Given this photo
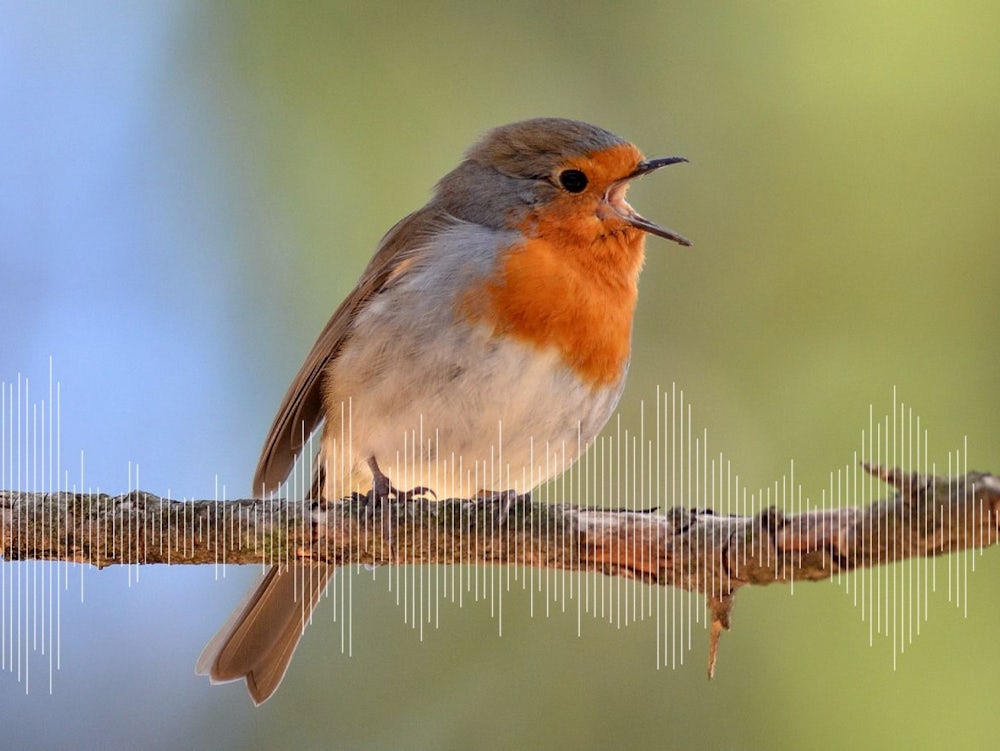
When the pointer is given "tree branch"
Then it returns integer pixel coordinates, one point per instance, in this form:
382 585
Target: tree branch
688 548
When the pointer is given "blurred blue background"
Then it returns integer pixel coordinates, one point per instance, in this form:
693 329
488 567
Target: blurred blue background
188 189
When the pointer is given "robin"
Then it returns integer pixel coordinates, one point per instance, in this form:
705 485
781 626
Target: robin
484 347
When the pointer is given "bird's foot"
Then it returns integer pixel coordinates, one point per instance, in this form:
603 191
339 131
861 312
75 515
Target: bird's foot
376 501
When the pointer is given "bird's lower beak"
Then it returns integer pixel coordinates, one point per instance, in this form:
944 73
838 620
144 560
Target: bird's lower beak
615 197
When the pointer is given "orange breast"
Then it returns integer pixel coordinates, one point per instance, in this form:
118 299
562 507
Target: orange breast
565 289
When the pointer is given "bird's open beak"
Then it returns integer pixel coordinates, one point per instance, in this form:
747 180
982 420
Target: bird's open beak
616 199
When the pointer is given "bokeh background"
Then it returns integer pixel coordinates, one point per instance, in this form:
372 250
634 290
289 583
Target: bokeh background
188 189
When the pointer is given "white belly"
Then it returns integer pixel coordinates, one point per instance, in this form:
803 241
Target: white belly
512 419
440 402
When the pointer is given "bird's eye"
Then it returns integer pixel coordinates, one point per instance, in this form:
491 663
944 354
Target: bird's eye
573 180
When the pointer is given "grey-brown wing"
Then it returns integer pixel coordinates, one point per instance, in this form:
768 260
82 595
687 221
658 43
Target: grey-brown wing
301 410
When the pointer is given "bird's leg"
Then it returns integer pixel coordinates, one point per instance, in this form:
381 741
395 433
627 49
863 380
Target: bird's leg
380 493
317 492
377 499
382 488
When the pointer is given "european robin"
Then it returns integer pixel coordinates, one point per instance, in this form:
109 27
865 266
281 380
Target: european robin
484 347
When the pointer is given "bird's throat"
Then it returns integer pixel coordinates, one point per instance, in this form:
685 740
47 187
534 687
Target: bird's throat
577 298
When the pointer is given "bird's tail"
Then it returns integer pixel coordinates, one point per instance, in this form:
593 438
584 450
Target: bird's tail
258 640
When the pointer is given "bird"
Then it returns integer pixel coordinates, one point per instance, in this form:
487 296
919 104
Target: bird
484 347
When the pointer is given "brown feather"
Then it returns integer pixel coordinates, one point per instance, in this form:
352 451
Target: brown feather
302 408
259 638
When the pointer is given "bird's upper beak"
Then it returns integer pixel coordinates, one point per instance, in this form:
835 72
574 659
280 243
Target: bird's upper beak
615 197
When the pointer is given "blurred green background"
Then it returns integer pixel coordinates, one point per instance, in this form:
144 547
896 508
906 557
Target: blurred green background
190 188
